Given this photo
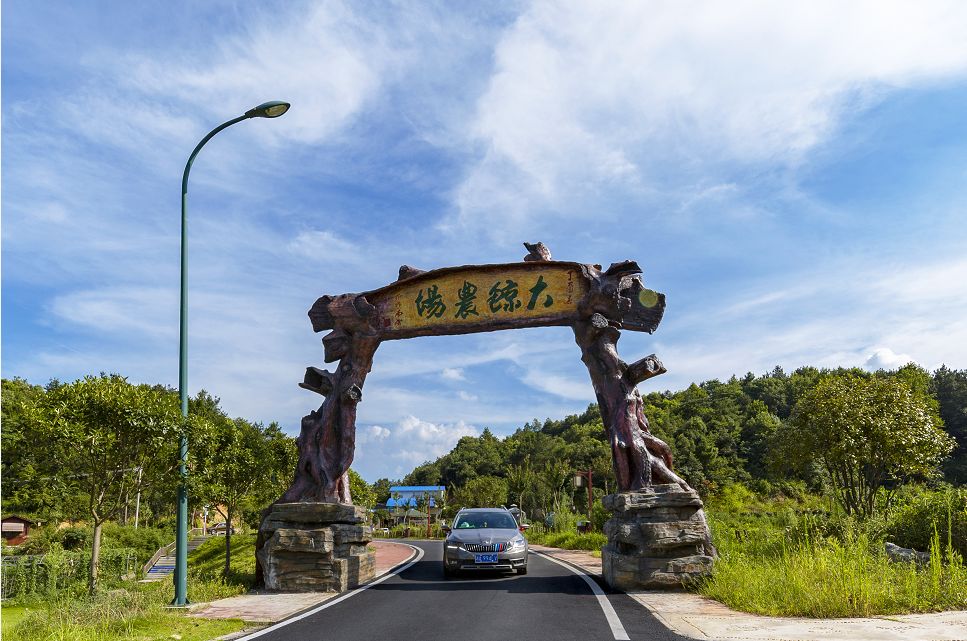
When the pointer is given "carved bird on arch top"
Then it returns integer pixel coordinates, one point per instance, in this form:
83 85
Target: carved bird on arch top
538 252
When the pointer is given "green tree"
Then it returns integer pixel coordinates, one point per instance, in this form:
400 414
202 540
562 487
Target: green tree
555 476
473 457
759 429
229 457
482 491
862 432
426 474
30 486
402 508
950 386
361 491
277 471
520 483
102 429
381 490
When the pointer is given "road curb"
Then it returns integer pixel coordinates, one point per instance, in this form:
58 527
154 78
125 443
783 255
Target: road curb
376 577
255 626
339 597
404 562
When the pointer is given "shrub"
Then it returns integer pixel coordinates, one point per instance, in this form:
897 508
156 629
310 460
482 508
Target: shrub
599 516
911 524
145 541
39 542
562 521
75 538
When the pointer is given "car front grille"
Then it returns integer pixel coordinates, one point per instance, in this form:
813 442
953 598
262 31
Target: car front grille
485 547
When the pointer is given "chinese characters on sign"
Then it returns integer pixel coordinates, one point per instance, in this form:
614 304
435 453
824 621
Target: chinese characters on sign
466 304
432 306
480 296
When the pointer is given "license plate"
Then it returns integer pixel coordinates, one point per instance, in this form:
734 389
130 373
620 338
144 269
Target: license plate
485 558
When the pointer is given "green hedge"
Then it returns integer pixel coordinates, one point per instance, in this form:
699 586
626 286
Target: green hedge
144 541
59 571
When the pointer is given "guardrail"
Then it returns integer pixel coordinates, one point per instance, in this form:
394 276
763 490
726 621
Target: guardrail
168 549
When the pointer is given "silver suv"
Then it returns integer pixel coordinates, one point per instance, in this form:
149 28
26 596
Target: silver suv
484 538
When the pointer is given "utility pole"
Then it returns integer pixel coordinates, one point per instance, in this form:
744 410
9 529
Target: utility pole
137 502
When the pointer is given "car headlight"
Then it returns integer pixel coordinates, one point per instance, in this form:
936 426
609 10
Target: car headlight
453 545
516 544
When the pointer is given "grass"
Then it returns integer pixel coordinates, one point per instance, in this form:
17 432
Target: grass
10 616
795 556
134 614
137 611
784 565
593 541
208 561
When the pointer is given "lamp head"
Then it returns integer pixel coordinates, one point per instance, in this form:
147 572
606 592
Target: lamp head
272 109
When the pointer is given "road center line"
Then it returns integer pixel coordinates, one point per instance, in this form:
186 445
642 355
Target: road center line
331 602
617 629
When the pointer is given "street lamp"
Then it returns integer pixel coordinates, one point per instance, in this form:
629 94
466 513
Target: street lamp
579 477
272 109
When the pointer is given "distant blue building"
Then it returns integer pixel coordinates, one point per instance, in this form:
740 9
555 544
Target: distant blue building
411 495
405 501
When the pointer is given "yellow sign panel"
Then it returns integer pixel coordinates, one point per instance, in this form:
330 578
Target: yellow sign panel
483 297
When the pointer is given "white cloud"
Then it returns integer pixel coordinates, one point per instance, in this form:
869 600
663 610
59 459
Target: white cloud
377 433
563 386
326 61
324 246
918 309
593 97
120 309
886 358
467 396
452 374
394 451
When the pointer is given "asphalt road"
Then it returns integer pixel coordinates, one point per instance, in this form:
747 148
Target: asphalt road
549 602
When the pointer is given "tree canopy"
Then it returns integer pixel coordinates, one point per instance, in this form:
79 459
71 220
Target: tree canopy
720 433
864 432
100 436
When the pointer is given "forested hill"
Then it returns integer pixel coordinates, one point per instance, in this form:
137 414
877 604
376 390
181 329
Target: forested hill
720 432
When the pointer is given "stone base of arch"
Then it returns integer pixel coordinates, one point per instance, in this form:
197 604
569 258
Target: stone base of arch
314 547
657 539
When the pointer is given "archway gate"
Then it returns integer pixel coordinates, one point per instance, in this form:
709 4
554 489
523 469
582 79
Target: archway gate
595 303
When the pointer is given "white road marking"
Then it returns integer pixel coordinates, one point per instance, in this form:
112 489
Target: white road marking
617 629
271 628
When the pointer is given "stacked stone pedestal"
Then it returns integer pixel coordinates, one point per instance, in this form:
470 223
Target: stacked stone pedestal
657 539
314 547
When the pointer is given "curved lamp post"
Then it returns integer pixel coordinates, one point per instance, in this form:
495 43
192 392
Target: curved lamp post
272 109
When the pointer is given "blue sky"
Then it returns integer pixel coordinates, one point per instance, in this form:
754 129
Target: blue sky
792 177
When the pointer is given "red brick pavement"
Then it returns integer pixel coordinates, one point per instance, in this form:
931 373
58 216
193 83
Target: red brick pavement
389 555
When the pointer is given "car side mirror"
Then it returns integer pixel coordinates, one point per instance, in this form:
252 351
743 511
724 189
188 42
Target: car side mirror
524 527
446 529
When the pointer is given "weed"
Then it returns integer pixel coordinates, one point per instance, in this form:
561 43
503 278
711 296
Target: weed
817 566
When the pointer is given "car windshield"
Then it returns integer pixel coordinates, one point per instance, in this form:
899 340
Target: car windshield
478 520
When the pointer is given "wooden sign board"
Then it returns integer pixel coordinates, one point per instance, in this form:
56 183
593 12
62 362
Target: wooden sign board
486 298
478 298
